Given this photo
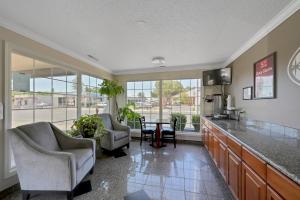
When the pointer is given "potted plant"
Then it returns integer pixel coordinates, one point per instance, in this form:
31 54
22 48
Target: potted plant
181 121
196 122
88 126
127 113
111 89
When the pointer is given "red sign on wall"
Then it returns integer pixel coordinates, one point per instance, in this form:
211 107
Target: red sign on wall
264 67
264 77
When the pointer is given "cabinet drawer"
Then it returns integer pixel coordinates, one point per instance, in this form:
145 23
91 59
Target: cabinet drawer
282 185
257 164
222 136
234 146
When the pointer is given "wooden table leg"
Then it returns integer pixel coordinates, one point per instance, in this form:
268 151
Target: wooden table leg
158 143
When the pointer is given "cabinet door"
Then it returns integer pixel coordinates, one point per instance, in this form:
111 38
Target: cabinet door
216 151
211 144
205 136
206 139
253 187
234 174
272 195
223 158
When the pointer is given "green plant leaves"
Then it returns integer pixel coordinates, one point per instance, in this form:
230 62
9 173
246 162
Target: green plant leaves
88 126
110 88
181 121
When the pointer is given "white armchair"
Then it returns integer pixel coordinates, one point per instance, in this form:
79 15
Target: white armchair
48 160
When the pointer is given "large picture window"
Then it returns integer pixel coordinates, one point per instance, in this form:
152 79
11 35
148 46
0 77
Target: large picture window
41 91
144 95
176 96
181 96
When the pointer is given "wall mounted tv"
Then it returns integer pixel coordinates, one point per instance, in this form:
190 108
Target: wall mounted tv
217 77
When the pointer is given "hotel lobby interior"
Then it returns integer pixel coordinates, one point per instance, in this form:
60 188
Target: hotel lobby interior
150 100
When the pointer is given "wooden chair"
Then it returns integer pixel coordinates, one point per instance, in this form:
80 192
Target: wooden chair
169 133
145 131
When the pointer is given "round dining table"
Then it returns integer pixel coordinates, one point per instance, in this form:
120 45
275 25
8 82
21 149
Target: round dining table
159 123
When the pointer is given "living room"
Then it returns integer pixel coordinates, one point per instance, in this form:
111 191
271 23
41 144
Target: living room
149 99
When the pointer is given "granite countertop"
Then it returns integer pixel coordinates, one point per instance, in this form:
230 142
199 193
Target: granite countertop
278 145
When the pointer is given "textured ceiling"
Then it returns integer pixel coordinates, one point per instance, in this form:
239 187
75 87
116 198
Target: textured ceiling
124 35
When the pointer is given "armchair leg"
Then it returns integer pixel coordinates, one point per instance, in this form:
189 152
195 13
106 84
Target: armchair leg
25 195
91 171
70 195
141 139
128 145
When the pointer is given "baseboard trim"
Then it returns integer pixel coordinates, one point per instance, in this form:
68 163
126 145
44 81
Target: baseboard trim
10 190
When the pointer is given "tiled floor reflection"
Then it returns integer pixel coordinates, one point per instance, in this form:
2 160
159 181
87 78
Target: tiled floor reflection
182 173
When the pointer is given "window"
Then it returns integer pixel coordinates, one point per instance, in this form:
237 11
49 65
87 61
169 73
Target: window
145 96
181 96
177 96
41 91
92 101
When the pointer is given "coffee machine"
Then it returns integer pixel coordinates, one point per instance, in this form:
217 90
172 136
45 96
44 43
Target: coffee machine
218 106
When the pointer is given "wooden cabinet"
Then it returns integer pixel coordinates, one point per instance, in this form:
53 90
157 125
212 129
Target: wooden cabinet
216 151
223 160
248 176
211 144
253 187
234 174
272 195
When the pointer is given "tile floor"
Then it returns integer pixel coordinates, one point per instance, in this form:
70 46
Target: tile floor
182 173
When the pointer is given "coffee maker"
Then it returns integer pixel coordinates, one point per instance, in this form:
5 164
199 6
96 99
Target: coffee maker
218 106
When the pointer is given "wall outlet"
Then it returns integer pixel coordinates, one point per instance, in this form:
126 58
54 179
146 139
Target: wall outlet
1 111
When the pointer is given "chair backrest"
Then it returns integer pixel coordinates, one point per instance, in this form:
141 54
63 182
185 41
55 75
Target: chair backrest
106 118
142 122
42 134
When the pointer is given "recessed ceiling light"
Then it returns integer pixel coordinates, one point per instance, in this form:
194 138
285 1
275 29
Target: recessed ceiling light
158 60
141 22
92 57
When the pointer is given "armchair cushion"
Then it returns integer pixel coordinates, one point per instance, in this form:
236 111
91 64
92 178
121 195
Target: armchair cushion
106 121
42 134
81 156
118 135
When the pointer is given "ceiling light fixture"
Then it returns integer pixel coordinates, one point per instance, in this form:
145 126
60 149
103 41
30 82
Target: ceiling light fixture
92 57
158 60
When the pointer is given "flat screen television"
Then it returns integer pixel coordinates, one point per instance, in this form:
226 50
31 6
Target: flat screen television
217 77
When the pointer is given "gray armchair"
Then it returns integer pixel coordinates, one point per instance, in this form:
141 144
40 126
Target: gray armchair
117 135
48 160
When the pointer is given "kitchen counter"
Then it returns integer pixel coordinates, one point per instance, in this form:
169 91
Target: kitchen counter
278 145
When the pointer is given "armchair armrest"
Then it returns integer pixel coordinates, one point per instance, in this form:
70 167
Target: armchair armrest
40 169
107 141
